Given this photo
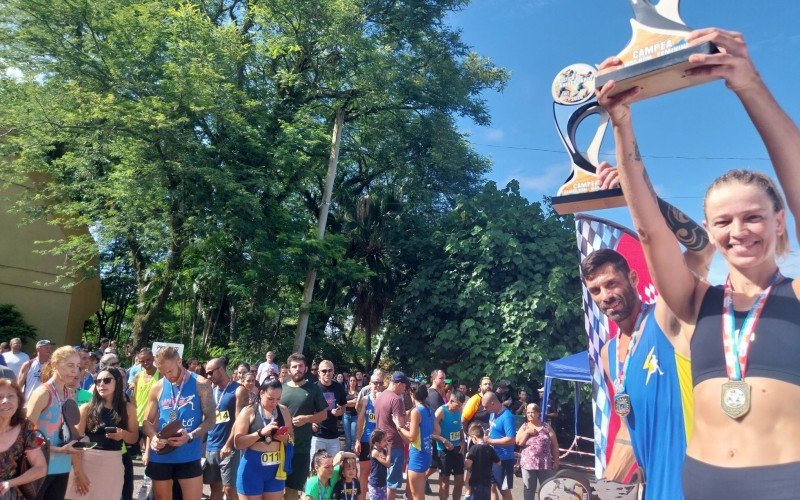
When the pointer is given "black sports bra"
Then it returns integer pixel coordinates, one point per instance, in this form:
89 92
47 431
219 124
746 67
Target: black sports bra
775 353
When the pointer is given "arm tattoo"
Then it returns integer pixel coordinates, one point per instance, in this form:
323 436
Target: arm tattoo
688 232
636 154
209 411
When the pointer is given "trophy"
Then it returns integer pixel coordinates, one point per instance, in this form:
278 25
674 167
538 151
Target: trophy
573 96
657 57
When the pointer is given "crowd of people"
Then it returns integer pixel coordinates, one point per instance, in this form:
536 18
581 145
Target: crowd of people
255 431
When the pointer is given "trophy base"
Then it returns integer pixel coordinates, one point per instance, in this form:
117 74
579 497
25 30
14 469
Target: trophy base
659 75
583 202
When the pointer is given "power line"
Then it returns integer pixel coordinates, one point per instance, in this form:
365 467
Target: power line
661 157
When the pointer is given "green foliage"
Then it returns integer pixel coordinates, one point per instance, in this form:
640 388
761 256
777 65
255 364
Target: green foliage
498 294
13 325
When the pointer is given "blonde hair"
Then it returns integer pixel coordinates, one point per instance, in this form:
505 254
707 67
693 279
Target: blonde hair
58 356
761 181
166 353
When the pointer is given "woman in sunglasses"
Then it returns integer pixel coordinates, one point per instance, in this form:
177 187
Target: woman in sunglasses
108 420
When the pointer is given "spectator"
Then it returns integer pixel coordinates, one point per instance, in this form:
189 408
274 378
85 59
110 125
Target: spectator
101 349
107 411
360 379
30 375
519 406
539 451
326 433
551 411
307 406
348 486
420 435
313 375
327 470
481 459
45 409
365 426
502 436
4 348
256 433
390 414
380 463
241 370
503 393
15 358
284 375
268 370
20 441
251 386
350 417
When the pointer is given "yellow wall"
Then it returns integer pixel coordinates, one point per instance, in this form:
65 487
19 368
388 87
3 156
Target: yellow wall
57 313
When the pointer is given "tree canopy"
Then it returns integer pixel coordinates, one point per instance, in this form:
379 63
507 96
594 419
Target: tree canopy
192 138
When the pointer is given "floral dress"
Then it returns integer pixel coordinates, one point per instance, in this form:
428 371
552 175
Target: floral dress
538 452
11 457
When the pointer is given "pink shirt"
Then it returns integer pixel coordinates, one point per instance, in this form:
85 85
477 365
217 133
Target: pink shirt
537 453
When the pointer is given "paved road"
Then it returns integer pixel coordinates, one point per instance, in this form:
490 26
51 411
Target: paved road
138 470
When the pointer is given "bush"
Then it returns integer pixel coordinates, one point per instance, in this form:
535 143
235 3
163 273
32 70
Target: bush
12 324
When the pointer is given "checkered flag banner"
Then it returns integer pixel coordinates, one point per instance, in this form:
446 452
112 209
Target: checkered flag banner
594 233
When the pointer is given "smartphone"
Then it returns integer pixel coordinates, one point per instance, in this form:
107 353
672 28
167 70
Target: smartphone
111 430
85 445
282 430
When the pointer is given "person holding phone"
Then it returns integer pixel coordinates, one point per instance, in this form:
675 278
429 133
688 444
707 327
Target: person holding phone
107 420
326 433
263 431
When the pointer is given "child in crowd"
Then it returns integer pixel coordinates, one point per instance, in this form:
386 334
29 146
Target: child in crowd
327 470
379 465
348 487
478 465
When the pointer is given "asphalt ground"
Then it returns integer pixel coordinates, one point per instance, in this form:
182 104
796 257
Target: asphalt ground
138 473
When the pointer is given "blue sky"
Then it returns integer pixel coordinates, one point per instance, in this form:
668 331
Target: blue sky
534 39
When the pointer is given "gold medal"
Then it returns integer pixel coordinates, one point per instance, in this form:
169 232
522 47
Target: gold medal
735 398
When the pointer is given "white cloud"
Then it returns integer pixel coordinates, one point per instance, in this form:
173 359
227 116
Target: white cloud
542 180
494 134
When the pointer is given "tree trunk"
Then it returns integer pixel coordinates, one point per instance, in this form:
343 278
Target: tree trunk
322 221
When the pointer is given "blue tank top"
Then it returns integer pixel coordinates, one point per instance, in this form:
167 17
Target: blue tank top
186 402
369 421
225 406
420 451
450 428
659 385
50 422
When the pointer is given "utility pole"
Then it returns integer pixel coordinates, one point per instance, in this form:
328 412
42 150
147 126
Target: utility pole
322 221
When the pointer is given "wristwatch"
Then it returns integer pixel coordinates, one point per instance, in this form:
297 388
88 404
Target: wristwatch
191 437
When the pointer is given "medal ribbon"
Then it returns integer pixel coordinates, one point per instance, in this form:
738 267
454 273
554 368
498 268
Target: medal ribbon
176 400
736 343
622 365
219 394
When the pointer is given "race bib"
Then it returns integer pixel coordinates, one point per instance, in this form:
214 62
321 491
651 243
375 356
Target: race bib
270 458
455 436
371 417
223 417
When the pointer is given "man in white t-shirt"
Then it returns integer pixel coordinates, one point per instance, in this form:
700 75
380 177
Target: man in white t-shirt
15 357
268 369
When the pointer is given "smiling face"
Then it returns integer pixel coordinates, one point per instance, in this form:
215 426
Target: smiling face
614 292
249 382
9 401
743 224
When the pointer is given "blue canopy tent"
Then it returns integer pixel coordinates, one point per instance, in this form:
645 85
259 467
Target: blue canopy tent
574 368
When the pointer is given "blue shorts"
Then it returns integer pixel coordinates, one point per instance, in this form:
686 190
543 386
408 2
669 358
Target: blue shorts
394 478
253 479
503 474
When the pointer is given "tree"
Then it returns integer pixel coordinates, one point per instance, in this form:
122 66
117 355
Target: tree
498 293
13 325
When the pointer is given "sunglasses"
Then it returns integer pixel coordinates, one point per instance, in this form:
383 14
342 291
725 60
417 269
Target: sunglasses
326 371
103 381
